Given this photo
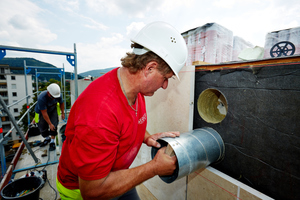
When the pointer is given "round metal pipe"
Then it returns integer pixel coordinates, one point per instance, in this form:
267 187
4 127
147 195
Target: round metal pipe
194 150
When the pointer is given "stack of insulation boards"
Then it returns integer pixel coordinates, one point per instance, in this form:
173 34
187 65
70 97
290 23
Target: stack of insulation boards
288 35
213 43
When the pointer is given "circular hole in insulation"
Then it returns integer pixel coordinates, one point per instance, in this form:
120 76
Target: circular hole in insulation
212 106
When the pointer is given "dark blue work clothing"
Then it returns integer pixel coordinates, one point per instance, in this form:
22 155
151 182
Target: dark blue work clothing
130 195
47 103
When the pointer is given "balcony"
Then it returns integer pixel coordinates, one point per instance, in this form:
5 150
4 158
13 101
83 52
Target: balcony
3 88
2 79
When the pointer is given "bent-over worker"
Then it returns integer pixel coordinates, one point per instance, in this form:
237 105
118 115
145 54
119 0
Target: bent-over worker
107 123
46 108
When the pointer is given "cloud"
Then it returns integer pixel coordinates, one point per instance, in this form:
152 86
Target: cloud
103 6
167 6
65 5
74 12
18 22
102 29
105 53
21 22
133 29
137 8
93 24
130 8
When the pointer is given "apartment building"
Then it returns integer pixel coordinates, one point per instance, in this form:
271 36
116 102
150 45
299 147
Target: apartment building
12 89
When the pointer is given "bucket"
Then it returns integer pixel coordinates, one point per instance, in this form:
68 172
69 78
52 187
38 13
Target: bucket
30 186
194 150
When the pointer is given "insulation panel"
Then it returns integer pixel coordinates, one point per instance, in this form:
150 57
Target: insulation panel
261 129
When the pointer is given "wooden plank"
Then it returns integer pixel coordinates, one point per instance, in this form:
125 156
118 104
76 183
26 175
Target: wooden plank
217 185
252 63
144 193
200 63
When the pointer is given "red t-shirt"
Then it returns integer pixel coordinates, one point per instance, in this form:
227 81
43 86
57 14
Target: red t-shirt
103 133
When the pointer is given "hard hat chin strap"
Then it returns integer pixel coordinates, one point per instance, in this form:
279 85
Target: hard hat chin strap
139 51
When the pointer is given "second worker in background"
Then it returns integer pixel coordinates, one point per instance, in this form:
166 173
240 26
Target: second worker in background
46 109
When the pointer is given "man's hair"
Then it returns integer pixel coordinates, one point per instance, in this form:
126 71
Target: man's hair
136 63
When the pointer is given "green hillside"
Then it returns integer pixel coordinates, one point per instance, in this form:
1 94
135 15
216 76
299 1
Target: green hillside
19 63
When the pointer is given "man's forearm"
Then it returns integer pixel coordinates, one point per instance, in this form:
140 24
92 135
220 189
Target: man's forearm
62 108
46 117
116 183
119 182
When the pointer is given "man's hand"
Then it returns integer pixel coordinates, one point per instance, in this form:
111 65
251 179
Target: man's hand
164 164
52 127
150 140
62 116
118 182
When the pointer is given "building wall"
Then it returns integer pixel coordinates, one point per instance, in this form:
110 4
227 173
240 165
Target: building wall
169 110
82 84
261 127
13 88
172 109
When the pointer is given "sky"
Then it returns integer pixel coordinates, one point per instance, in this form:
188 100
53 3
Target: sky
101 29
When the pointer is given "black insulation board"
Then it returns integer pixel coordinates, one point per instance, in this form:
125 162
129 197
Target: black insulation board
261 130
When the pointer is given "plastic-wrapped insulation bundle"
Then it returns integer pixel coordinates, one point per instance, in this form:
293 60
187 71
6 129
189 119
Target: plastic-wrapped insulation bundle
281 40
210 43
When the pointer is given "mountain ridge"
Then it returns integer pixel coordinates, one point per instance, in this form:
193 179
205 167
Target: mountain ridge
18 62
96 72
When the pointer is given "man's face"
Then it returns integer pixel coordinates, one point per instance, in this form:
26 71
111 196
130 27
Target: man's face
155 81
51 97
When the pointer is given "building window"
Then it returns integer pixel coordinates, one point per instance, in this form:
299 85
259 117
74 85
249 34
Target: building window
14 94
13 77
16 110
2 70
13 86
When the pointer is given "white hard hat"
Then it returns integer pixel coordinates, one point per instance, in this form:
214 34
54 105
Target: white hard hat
165 41
54 90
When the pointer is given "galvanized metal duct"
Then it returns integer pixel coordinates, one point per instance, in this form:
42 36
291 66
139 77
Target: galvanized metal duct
194 150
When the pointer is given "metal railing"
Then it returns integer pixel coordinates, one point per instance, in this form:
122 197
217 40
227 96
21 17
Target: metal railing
5 108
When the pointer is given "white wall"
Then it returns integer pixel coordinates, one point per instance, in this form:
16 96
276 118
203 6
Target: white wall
20 90
82 84
169 110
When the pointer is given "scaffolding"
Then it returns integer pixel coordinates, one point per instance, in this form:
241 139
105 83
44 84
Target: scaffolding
60 72
71 58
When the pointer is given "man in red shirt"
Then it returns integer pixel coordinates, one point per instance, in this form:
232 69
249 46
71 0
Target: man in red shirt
107 123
